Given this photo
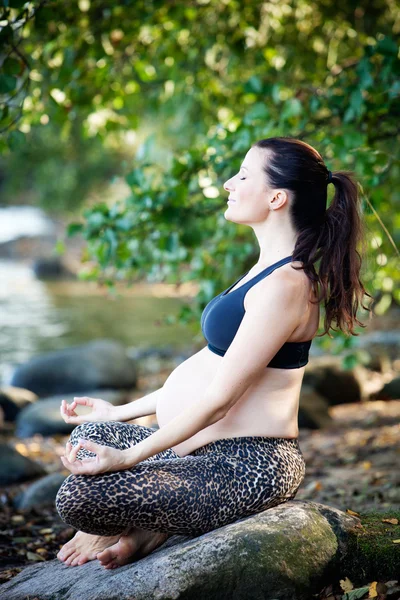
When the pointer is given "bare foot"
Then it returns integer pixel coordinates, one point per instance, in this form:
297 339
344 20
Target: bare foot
130 547
84 547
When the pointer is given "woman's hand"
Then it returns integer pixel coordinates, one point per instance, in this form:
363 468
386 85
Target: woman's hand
107 459
101 410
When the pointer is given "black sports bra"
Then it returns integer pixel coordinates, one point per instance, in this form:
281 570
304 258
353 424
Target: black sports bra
222 316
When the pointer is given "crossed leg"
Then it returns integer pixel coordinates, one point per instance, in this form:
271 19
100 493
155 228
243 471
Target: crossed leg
169 494
111 551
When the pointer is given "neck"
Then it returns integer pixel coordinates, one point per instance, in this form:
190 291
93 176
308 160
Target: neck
276 239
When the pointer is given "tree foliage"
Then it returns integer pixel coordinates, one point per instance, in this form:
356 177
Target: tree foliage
206 79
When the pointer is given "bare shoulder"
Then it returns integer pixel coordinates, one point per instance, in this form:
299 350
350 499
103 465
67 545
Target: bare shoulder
289 282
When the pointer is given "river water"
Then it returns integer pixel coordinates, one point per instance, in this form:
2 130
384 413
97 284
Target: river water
42 316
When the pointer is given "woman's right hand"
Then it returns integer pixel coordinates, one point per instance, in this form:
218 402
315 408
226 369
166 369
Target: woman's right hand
101 410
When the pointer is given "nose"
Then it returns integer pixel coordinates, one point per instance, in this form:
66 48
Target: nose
226 186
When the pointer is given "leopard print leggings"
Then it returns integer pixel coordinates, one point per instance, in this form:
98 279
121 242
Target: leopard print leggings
219 483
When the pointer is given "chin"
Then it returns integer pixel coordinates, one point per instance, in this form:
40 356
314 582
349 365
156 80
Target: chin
229 218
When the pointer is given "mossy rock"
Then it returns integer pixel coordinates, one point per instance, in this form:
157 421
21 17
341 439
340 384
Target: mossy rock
288 551
372 554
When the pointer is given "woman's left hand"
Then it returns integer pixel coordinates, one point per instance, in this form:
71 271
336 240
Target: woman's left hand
107 459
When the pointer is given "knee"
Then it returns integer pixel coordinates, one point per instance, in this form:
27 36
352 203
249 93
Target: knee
67 500
85 430
81 505
73 500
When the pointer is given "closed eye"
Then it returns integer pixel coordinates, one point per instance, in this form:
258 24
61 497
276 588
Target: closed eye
242 178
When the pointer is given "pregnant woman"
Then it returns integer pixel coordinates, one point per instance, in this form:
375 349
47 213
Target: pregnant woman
227 444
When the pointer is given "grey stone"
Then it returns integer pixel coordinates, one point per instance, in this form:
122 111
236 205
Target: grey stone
390 391
44 416
333 383
51 268
40 493
76 370
286 552
313 409
16 468
12 399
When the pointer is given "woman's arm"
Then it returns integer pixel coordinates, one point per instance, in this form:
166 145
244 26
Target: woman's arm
263 330
138 408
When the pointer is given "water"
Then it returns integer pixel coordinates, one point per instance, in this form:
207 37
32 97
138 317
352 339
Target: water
40 316
37 317
16 221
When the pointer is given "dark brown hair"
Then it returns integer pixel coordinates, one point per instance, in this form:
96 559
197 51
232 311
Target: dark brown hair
330 234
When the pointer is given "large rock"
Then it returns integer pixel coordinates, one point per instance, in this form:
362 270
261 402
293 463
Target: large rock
286 552
51 268
44 416
12 399
40 493
15 467
390 391
313 410
76 370
332 382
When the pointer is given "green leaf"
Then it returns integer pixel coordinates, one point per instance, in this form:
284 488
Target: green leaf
60 247
16 139
254 84
74 228
16 3
6 34
257 111
387 46
11 66
356 594
8 83
96 221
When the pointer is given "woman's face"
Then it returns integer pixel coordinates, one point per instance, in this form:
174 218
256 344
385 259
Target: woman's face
248 193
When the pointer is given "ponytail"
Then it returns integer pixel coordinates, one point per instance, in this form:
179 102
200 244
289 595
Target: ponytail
333 235
337 242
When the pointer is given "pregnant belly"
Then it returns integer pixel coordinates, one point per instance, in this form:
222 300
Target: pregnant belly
185 386
268 408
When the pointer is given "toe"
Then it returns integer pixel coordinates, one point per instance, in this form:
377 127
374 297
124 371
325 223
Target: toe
64 553
104 557
76 560
70 559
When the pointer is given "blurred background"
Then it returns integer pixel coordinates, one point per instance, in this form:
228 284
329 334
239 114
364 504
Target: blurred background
119 125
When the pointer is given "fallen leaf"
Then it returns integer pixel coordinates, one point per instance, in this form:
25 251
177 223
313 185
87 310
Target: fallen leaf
352 512
392 521
372 590
396 541
17 519
33 556
346 584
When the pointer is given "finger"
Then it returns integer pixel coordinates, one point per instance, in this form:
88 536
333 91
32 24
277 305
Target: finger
85 467
91 446
72 406
83 400
74 451
71 466
64 408
70 409
67 464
